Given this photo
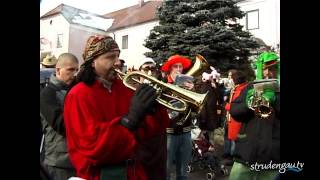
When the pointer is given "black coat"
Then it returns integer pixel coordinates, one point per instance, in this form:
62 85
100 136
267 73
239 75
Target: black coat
51 112
258 139
208 117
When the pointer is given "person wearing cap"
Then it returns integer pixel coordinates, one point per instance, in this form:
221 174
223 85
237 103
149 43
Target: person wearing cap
106 121
179 145
56 157
49 61
148 66
175 65
258 141
268 66
48 68
153 151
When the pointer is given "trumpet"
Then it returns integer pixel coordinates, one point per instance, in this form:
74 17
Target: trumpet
258 103
166 91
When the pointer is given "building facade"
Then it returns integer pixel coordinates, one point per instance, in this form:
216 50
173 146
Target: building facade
262 20
66 29
131 26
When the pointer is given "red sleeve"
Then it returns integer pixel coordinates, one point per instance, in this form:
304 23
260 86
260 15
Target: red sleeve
227 107
91 140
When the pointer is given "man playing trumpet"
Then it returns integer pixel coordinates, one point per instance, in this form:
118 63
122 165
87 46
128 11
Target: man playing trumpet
152 152
259 138
105 121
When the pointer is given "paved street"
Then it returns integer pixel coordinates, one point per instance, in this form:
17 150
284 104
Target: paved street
198 174
202 175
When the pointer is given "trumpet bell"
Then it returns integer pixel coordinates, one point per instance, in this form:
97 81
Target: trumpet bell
263 111
199 66
257 102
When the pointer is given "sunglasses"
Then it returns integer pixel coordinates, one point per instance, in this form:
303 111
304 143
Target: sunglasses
149 68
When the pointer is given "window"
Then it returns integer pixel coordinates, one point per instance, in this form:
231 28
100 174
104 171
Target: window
252 19
125 42
59 41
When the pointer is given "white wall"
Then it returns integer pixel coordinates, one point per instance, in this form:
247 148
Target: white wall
136 37
59 26
78 38
269 29
269 19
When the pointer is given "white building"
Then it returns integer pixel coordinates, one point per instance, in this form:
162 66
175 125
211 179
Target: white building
66 29
132 25
262 19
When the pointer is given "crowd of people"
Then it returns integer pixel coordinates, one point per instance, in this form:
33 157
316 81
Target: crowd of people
93 127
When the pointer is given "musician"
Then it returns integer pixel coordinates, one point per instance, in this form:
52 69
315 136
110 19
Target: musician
105 121
179 145
259 138
153 152
149 67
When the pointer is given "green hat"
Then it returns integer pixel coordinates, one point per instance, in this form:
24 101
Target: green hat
266 60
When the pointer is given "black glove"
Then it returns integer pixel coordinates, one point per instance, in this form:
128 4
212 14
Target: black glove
142 101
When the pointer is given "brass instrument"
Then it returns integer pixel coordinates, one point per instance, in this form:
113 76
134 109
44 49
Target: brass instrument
199 66
186 97
258 103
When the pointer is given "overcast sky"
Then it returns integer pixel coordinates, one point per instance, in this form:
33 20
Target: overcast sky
94 6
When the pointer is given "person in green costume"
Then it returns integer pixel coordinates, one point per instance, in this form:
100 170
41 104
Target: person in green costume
258 109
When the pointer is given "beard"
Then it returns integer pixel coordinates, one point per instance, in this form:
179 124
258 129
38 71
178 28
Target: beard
111 75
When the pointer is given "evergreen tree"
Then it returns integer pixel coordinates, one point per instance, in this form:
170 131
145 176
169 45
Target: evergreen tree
206 27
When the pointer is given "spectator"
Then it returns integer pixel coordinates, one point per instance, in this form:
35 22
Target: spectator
56 157
49 62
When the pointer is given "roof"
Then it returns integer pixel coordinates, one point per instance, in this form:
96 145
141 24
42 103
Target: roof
134 15
80 17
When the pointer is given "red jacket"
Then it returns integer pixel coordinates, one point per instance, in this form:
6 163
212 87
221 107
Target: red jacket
233 125
95 136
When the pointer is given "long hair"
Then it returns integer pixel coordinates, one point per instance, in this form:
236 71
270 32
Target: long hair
239 77
86 73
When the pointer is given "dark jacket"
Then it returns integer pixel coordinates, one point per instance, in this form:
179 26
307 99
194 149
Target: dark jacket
258 139
45 74
208 117
178 120
152 153
51 111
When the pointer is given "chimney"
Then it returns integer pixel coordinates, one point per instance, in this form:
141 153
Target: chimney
141 2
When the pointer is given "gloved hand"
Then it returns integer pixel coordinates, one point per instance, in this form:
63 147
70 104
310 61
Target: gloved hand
269 95
142 101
